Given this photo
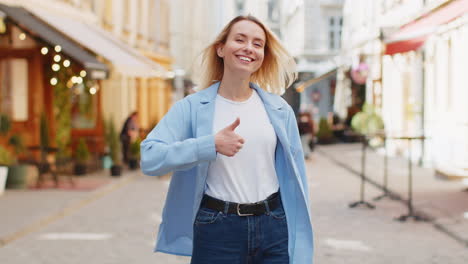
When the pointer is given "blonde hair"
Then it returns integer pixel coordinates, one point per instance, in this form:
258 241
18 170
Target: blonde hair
278 70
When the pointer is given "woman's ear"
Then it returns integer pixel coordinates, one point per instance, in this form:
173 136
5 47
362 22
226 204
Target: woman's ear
220 51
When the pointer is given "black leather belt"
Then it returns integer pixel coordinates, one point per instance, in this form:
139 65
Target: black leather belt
258 208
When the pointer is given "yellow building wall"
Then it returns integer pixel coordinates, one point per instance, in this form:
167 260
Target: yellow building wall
156 97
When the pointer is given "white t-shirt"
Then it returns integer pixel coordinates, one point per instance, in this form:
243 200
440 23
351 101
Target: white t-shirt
250 175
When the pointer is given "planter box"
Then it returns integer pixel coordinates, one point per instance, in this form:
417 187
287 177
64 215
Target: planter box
116 170
17 177
133 164
3 178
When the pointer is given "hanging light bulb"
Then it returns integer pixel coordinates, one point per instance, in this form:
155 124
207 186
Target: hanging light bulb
79 80
57 58
66 63
44 50
22 36
58 48
55 67
92 90
53 81
83 73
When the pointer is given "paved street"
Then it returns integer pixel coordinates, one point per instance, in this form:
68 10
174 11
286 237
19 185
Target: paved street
117 224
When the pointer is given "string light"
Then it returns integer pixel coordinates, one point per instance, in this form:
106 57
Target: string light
58 48
44 50
66 63
55 67
92 90
73 79
57 58
79 80
83 73
70 84
53 81
22 36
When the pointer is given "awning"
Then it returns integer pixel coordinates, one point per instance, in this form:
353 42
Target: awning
301 87
124 58
38 29
413 35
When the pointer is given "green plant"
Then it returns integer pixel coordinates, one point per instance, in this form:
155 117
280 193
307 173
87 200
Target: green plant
44 143
5 124
135 149
368 121
6 157
82 152
113 142
44 132
324 132
17 142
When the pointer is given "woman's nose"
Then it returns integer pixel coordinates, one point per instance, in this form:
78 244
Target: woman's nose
248 47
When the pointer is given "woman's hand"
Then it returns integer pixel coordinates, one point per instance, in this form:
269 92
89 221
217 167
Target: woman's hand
227 142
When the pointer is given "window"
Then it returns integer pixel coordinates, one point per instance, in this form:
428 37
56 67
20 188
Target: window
108 9
14 88
240 6
127 14
335 24
84 107
273 11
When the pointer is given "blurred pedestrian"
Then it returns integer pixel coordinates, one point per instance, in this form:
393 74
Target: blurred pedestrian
239 192
306 130
128 134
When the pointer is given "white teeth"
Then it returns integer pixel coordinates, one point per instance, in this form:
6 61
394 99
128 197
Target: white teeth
245 59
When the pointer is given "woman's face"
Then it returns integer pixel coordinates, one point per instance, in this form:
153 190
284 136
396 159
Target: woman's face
243 51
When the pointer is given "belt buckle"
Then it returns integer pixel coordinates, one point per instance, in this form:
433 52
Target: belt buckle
239 213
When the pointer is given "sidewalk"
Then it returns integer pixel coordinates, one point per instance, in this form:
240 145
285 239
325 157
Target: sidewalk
444 202
26 210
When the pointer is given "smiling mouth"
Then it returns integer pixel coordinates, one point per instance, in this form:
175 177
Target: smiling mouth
244 58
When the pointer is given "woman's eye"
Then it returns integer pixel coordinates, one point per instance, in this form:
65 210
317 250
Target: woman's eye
239 40
258 45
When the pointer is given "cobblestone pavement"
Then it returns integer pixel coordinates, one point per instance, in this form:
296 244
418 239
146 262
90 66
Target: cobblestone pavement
118 223
443 201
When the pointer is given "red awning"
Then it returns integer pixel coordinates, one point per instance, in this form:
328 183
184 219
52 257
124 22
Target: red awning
413 35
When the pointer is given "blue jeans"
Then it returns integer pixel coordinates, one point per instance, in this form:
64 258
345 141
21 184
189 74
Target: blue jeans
221 238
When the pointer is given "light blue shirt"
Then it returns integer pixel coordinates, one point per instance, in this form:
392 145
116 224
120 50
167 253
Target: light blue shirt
183 143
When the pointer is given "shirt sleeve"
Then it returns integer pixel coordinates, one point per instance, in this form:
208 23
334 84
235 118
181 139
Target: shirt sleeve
170 145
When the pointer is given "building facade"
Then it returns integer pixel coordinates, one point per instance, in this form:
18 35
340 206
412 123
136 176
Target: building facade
413 49
194 25
81 62
311 31
144 26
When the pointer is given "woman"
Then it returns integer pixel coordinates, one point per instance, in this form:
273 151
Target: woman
239 191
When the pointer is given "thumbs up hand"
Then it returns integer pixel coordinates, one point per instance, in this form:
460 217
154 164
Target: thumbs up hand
227 142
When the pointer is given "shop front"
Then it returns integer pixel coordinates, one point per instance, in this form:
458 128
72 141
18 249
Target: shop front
425 61
135 83
43 73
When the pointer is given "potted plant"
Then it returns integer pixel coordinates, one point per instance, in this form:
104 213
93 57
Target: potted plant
81 157
325 134
44 145
114 145
17 172
369 123
134 157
